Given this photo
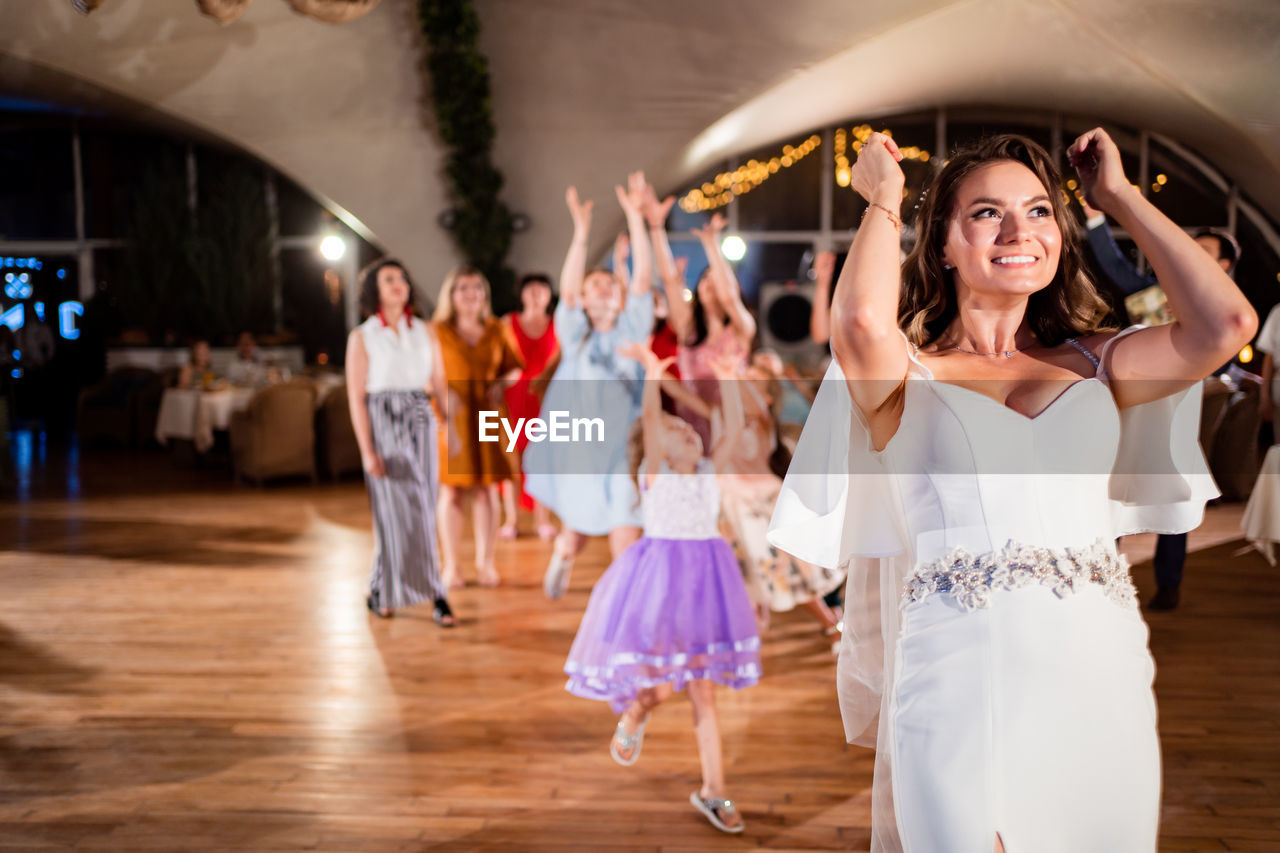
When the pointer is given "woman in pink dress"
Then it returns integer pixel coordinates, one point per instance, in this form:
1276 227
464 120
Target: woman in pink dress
712 324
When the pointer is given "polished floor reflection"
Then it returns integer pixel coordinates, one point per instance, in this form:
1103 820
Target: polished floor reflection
189 665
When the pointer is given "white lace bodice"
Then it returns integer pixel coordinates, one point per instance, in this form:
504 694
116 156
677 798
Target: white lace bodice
682 506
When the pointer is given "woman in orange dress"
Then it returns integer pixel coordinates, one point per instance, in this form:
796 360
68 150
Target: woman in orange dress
535 334
480 361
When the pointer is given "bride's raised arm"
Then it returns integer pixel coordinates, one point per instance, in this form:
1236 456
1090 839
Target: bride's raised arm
1213 319
864 312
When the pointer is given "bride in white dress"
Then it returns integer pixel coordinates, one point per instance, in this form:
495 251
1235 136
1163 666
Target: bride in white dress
997 439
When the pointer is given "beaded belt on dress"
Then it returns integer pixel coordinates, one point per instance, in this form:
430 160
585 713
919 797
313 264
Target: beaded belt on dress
969 579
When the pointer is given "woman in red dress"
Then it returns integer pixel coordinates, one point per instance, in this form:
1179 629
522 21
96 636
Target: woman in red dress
535 335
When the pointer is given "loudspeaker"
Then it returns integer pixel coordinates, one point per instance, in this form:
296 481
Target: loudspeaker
783 318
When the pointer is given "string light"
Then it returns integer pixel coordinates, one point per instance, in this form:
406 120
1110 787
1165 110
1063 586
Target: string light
727 186
841 144
861 133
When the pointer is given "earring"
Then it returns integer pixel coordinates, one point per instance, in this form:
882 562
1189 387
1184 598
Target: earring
947 266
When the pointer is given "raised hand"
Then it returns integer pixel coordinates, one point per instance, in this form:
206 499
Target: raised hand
824 265
632 198
579 210
876 175
1097 161
655 212
654 367
712 229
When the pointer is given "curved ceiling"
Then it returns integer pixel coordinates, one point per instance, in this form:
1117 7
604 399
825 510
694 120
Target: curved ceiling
584 90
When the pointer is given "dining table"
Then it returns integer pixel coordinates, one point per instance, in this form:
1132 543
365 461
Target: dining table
194 414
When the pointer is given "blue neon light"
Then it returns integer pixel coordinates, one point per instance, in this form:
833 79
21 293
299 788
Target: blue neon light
67 314
14 317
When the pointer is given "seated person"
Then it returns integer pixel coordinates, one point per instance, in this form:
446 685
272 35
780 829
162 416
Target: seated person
198 371
247 367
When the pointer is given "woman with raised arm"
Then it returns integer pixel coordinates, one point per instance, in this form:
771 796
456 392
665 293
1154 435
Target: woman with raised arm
824 272
997 439
393 367
585 480
714 322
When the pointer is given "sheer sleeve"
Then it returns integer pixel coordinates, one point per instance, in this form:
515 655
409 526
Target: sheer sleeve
837 500
839 508
1160 481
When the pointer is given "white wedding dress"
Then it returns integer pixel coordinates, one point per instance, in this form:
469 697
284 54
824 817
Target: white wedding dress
1006 661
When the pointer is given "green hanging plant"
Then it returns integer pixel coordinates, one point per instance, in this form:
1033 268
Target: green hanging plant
481 224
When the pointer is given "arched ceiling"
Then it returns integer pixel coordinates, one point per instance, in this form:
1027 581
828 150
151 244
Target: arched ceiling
585 89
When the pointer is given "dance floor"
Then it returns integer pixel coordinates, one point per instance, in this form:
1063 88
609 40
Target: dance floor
187 665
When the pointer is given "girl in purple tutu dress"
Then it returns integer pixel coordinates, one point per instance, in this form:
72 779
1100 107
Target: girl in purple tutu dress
672 610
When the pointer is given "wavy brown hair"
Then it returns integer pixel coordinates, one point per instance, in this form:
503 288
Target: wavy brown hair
368 278
1068 307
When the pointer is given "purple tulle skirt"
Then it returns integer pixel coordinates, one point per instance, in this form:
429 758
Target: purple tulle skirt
666 611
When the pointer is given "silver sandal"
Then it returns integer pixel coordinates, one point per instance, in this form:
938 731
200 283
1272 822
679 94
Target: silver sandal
622 740
712 808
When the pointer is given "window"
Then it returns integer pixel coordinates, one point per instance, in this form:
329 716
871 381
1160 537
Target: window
37 180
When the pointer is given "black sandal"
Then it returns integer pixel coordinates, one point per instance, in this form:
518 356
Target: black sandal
442 615
370 602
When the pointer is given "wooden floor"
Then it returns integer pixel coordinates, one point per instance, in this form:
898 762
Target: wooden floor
185 665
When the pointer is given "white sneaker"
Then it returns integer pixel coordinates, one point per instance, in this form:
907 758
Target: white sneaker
556 581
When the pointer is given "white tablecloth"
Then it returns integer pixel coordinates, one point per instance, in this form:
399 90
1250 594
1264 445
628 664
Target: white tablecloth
326 382
194 415
1261 520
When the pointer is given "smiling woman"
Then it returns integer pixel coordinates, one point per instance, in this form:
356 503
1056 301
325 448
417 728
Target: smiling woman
996 446
1006 186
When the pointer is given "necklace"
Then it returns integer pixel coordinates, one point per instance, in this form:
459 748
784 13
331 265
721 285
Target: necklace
1007 353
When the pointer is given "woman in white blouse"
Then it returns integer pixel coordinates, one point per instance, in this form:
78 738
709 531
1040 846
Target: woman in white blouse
393 364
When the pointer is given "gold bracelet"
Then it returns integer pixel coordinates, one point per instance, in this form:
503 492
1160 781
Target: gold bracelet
893 217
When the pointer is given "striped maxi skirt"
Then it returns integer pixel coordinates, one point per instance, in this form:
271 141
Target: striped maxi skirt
406 556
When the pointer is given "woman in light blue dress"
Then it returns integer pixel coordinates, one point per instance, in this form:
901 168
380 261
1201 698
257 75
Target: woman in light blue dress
596 393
